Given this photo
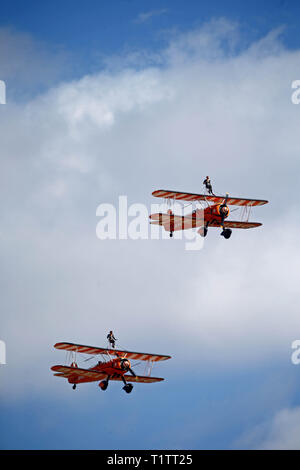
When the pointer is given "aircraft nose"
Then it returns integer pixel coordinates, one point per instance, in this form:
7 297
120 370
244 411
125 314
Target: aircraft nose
125 364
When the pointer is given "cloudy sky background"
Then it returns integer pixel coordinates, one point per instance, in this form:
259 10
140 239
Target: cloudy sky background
161 105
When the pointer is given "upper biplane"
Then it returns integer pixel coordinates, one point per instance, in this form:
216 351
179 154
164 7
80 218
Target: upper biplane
106 370
213 212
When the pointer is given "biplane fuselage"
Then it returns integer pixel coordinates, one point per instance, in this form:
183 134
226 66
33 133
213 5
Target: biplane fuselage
112 368
213 215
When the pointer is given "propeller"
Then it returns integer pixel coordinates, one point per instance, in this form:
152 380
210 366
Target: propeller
225 200
125 365
224 212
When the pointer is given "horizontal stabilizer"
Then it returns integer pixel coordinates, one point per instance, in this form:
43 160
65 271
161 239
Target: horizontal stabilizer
173 223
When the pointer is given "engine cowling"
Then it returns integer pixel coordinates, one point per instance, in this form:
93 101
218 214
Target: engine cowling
220 210
125 364
223 210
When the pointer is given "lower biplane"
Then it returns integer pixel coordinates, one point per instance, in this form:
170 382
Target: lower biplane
115 368
213 212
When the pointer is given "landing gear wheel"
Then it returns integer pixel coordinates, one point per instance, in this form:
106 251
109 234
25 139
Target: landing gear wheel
128 388
171 234
103 385
203 231
226 233
74 387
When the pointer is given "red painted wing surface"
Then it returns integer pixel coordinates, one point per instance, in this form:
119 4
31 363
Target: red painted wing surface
188 197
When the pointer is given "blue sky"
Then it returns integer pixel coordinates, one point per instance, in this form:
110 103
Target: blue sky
108 28
124 97
207 411
111 25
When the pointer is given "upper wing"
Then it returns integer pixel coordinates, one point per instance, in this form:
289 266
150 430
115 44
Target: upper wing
113 352
173 222
66 371
236 224
231 201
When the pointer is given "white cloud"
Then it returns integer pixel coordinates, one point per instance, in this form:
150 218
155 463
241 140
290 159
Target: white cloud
28 66
145 16
205 111
279 433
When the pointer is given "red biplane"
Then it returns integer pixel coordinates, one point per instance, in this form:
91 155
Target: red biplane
213 213
106 370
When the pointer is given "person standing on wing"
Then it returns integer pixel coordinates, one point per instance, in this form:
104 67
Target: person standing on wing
112 340
208 186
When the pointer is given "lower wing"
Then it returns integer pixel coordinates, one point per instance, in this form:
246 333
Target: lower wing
87 375
138 378
236 224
